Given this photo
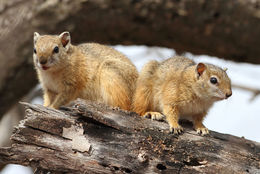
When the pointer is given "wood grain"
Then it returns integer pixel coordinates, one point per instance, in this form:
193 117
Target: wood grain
88 137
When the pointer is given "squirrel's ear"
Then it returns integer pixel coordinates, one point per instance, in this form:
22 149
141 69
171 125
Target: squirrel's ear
200 68
35 37
65 39
225 69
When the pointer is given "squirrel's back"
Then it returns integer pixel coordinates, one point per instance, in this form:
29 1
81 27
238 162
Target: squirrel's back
152 77
114 72
102 52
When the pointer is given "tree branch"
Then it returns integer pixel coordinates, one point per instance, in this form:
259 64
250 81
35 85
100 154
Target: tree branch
255 91
93 138
223 28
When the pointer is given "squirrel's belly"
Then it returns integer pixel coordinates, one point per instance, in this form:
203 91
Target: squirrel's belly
193 108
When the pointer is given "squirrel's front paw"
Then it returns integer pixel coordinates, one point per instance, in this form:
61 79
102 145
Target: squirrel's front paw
154 115
202 131
176 130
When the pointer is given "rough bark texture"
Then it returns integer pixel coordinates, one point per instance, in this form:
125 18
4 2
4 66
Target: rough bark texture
223 28
93 138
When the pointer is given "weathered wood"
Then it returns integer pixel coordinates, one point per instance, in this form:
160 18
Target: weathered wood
87 137
223 28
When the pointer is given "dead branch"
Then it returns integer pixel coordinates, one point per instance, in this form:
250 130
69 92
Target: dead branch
87 137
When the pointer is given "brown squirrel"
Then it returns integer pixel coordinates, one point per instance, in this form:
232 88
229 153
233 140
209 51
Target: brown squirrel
178 88
89 71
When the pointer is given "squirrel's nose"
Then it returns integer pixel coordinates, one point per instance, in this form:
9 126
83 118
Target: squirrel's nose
228 94
44 61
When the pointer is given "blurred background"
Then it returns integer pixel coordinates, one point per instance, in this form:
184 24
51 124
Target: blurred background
222 32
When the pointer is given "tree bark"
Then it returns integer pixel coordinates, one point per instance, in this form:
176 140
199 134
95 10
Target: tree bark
86 137
223 28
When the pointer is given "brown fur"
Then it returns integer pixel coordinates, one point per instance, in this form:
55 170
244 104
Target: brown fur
89 71
178 88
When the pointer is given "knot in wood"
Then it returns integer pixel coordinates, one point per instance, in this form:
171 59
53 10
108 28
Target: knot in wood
142 157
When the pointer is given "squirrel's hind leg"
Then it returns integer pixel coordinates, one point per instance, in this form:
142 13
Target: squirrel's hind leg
115 91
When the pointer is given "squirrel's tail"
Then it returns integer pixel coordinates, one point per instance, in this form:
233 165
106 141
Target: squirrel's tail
142 100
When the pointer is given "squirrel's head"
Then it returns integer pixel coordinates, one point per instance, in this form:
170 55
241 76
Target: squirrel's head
212 82
50 50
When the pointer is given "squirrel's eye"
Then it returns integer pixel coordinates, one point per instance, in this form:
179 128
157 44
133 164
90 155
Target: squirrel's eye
213 80
34 50
56 49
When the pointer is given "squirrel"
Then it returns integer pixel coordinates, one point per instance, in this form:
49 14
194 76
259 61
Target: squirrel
89 71
178 88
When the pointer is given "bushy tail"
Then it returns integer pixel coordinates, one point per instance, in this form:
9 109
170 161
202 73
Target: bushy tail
142 100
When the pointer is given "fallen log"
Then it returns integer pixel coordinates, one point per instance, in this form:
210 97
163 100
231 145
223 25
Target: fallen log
87 137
